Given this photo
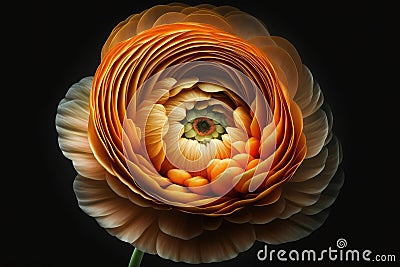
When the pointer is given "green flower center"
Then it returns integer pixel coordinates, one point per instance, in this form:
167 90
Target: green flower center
203 126
203 129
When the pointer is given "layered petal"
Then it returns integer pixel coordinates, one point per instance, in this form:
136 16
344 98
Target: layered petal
72 128
199 134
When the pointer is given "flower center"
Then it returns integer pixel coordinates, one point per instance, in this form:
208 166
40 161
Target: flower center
203 129
203 126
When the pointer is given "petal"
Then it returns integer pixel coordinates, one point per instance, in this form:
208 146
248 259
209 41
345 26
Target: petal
134 18
222 10
316 184
117 215
246 26
281 60
308 95
212 246
125 31
328 196
290 49
316 130
189 225
169 18
310 167
151 15
296 227
72 127
267 213
211 18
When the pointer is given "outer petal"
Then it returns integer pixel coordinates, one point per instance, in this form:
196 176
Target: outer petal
212 246
117 215
292 229
72 127
141 227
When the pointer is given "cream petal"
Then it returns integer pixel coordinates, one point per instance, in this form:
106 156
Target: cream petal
318 183
290 49
212 246
294 228
236 134
70 142
246 26
310 167
189 10
124 192
239 217
308 96
73 115
328 196
150 16
211 18
189 225
325 107
261 41
72 127
191 95
222 151
184 83
169 18
125 32
205 6
281 60
308 192
175 110
148 239
315 128
211 223
175 249
107 45
305 90
222 10
117 215
178 4
242 119
88 165
299 198
290 210
80 90
267 213
210 88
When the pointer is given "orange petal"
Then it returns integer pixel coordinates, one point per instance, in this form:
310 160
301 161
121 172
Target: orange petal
197 185
219 168
252 147
252 164
178 176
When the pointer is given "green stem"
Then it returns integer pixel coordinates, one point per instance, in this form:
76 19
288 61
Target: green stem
136 258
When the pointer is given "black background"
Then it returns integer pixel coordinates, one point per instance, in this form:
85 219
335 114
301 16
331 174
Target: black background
350 51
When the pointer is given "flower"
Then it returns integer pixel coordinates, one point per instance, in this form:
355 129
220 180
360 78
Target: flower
199 134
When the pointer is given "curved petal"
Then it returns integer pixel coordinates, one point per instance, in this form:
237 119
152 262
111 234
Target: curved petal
308 96
210 18
151 15
307 192
246 26
316 130
119 216
189 225
286 230
328 196
212 246
72 128
168 18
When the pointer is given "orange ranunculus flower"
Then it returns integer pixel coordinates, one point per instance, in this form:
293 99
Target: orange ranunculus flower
199 134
